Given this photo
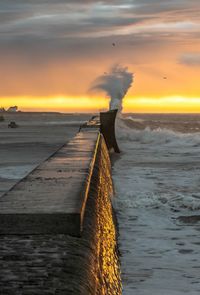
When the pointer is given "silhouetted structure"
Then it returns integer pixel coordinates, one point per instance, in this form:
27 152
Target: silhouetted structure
107 128
12 109
106 124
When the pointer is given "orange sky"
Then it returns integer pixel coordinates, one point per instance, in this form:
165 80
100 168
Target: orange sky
51 53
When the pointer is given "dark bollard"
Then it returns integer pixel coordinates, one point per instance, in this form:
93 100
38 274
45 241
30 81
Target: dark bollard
107 128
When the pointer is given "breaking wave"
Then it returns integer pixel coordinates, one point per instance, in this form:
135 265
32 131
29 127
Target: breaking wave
159 168
156 179
163 201
156 136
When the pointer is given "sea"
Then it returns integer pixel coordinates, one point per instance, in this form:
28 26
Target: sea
157 202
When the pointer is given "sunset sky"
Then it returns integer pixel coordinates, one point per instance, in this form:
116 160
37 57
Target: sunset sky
51 52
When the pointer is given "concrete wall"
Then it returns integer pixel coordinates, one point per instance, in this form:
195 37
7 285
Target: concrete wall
100 228
52 260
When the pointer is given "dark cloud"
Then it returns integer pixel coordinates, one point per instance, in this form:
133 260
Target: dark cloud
61 20
174 10
38 35
86 18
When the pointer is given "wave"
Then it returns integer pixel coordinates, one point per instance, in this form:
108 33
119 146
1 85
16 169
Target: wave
181 125
163 201
156 136
158 168
131 119
156 180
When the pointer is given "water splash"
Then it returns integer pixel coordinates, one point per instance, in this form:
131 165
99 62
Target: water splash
116 84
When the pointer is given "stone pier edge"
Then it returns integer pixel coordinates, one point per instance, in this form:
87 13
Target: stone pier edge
88 182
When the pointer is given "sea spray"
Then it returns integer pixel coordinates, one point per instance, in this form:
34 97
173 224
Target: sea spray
116 84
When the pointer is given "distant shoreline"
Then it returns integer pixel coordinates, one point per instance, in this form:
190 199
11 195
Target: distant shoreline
41 112
96 112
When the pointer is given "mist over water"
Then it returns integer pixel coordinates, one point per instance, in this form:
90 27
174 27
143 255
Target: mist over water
115 84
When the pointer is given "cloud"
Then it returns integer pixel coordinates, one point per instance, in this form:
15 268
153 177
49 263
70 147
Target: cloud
51 20
42 40
190 59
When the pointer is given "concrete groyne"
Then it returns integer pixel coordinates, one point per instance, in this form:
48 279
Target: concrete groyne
57 227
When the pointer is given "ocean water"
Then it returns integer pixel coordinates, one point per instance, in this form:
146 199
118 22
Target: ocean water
157 184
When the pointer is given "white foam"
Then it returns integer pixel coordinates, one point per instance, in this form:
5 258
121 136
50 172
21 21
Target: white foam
156 136
129 118
156 180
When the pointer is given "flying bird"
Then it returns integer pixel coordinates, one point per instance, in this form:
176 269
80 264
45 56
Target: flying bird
113 44
165 78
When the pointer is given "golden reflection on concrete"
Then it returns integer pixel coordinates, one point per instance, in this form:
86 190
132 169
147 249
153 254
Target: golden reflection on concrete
106 230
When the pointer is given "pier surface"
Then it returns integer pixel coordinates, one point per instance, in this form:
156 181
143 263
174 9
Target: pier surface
52 240
52 197
38 136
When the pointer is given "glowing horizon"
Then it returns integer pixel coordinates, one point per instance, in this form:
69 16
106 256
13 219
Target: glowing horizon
51 52
84 104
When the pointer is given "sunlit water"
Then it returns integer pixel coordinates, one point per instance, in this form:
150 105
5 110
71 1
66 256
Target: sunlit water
157 183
